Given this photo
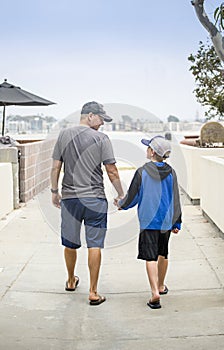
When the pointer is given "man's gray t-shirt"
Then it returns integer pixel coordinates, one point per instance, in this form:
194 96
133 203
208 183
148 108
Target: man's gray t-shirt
83 150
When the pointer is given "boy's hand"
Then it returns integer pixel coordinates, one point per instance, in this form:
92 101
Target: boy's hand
175 230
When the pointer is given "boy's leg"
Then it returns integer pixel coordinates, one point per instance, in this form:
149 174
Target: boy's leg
162 269
163 259
148 251
152 271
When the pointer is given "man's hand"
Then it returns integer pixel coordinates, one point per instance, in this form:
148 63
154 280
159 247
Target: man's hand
56 200
115 201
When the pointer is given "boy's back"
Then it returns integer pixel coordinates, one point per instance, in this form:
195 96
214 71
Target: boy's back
154 188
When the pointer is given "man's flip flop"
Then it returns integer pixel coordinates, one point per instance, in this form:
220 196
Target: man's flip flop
154 304
165 291
72 289
98 301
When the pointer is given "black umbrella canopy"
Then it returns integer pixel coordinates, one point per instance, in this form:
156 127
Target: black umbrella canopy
14 95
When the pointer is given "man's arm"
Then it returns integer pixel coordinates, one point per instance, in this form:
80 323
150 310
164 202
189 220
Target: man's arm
113 175
55 172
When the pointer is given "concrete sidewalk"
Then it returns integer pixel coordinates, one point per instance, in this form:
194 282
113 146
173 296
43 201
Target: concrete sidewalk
37 313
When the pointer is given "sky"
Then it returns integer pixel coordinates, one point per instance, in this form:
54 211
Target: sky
122 51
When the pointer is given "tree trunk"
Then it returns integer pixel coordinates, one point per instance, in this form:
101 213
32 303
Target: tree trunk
216 37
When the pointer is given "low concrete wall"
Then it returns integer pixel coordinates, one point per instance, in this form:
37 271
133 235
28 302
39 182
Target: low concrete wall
6 189
212 189
186 160
34 169
10 155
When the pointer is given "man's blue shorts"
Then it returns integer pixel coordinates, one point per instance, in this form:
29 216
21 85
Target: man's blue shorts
91 211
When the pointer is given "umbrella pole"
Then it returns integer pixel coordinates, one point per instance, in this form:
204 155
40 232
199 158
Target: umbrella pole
3 121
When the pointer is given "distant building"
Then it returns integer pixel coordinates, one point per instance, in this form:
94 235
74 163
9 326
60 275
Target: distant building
183 126
30 124
125 118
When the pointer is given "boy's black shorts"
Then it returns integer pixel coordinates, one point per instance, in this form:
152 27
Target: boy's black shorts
153 243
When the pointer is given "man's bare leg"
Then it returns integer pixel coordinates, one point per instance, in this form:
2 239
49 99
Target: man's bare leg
162 269
152 271
94 261
70 260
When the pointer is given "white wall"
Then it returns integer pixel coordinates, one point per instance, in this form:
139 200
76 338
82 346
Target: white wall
212 189
6 189
186 160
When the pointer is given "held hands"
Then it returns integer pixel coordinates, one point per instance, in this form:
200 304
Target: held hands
116 200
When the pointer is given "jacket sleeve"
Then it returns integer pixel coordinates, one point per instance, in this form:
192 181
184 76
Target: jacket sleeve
133 193
177 216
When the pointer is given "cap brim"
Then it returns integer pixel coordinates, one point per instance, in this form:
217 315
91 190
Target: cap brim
145 142
106 117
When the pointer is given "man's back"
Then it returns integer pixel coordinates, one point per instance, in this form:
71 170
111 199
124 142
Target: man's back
82 150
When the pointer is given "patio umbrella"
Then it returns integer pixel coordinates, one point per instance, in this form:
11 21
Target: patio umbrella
14 95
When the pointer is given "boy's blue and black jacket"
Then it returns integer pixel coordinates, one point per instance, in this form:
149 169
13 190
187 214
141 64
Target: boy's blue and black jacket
154 188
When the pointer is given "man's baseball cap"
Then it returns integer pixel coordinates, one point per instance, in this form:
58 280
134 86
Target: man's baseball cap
159 145
95 108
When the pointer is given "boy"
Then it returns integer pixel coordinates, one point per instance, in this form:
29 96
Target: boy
154 188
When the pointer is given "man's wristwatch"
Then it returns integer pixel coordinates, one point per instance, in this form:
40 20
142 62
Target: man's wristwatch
54 191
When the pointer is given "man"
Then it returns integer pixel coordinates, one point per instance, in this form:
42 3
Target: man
82 149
